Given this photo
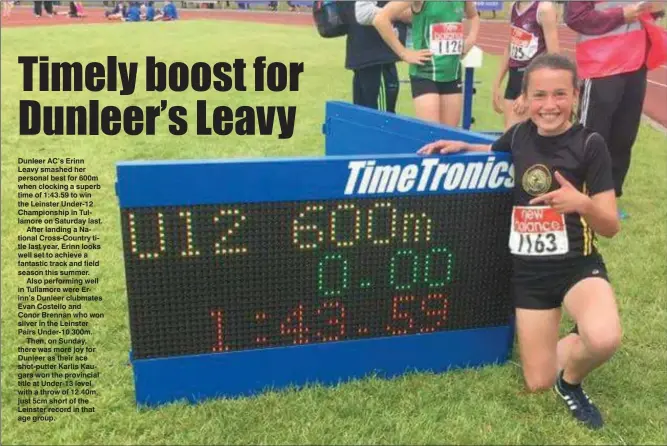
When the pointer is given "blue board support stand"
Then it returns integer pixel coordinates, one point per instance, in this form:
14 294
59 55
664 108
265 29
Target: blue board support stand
468 93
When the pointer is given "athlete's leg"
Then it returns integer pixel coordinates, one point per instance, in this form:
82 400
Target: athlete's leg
512 93
451 106
625 126
592 304
537 332
427 107
565 346
425 98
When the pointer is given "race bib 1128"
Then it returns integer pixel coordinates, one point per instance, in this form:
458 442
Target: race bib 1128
538 231
446 39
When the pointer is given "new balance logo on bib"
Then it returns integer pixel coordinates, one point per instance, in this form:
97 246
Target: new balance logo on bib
446 39
524 45
538 231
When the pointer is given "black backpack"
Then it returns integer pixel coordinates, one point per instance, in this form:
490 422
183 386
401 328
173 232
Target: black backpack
332 17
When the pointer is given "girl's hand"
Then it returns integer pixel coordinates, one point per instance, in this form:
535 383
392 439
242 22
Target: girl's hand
520 107
416 57
566 200
443 147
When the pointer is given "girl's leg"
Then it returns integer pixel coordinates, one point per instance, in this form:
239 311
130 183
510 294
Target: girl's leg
592 305
537 332
451 106
565 347
427 107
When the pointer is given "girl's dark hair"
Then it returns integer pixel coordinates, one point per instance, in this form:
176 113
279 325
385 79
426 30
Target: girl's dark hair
554 62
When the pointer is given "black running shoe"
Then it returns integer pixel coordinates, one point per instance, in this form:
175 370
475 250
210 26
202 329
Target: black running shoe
579 405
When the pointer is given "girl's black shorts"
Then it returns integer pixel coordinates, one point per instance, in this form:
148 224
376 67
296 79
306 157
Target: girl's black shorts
421 86
542 285
513 89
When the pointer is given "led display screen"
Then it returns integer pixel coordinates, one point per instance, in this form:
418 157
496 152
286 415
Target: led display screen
229 277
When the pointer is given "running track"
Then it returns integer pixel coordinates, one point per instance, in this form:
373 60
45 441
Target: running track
492 40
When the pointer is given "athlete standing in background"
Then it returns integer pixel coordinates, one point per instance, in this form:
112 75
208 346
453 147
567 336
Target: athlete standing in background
48 7
7 6
533 31
375 83
439 43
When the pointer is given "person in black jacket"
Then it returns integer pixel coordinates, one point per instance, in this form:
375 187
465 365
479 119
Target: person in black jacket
48 7
375 82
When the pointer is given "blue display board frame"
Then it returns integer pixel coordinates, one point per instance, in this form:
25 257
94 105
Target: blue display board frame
354 130
243 373
201 182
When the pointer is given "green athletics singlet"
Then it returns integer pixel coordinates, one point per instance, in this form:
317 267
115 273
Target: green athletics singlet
439 27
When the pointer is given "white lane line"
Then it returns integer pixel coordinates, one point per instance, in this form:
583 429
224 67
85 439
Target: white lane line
491 46
483 36
656 83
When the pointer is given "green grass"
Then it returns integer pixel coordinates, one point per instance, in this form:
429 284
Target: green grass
463 407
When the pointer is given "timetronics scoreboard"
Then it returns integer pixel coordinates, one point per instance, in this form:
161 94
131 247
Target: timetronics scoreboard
246 275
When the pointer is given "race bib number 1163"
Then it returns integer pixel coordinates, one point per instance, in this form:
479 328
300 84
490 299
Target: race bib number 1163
538 231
